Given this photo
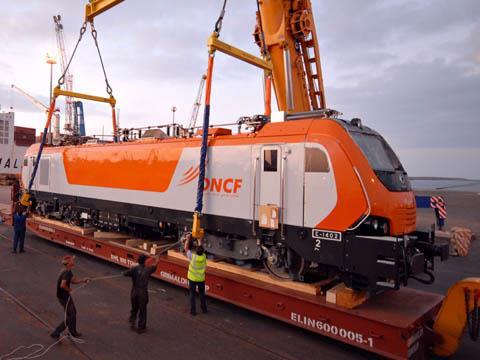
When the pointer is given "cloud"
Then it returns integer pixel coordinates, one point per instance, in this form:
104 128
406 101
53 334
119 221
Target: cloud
354 23
408 68
418 105
13 99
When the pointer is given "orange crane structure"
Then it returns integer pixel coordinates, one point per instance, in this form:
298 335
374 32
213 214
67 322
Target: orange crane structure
286 35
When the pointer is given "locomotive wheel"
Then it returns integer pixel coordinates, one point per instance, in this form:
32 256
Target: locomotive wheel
297 265
294 272
278 272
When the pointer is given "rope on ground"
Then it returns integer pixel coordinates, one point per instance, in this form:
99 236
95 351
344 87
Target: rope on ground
41 349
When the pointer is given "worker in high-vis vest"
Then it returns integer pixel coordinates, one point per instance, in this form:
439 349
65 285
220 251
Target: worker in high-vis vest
196 275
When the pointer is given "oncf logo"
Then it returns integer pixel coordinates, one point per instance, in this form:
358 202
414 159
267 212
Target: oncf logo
229 186
214 185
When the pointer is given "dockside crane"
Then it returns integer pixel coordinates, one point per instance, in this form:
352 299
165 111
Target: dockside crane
197 104
42 107
33 100
74 118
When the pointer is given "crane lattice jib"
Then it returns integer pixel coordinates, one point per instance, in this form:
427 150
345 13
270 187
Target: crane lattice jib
68 76
288 30
197 104
34 101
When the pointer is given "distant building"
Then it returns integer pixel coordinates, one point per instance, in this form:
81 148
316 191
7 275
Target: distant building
14 141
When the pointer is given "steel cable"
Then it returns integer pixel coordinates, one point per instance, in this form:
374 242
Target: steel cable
94 35
61 79
219 22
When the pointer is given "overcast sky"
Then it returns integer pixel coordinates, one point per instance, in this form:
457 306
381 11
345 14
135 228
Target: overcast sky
408 68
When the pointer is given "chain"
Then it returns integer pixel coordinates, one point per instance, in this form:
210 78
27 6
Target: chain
218 24
61 80
94 35
83 29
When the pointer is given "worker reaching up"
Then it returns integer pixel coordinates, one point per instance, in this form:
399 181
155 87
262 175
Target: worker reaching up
140 275
196 274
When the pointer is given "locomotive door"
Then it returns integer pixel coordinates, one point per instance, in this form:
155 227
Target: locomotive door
320 193
270 175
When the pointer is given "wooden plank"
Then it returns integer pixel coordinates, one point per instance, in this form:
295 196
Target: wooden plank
110 235
72 228
130 248
345 297
312 289
5 208
134 242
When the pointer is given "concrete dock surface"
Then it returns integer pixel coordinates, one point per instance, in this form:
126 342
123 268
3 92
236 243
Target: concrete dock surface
226 332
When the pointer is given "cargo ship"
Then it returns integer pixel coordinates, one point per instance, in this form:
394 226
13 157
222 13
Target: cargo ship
14 141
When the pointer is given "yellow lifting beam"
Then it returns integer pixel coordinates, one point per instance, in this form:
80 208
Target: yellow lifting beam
215 44
96 7
58 92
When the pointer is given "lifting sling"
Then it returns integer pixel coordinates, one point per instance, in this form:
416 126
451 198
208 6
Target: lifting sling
197 231
264 63
25 199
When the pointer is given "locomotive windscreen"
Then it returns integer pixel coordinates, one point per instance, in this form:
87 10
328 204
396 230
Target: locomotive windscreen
378 152
383 160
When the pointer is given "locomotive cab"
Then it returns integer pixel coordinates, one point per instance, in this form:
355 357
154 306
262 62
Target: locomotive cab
368 236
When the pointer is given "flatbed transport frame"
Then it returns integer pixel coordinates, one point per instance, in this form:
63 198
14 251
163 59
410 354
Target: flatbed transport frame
392 324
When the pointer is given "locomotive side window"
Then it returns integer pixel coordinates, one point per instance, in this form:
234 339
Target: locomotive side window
270 160
25 161
44 171
316 161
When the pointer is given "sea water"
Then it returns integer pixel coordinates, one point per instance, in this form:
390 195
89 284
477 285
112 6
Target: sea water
444 184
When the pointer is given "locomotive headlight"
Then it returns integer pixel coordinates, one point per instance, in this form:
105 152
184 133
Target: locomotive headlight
376 226
385 228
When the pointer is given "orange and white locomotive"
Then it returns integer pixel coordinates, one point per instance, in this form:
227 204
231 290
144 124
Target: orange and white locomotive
344 200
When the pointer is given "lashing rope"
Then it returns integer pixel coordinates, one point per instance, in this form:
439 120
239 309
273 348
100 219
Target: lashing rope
40 349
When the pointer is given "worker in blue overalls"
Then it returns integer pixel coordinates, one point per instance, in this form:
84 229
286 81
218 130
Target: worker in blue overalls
19 228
